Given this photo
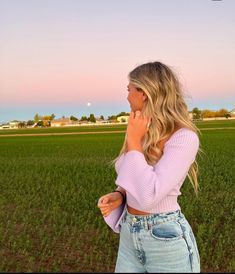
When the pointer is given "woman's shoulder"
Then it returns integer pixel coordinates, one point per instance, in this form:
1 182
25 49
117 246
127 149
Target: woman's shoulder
183 136
119 161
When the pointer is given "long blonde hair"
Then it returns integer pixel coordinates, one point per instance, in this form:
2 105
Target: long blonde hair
166 107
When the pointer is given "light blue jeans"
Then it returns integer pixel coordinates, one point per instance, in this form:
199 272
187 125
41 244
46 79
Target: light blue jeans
157 243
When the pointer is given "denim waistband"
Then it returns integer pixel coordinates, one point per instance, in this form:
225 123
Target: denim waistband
146 221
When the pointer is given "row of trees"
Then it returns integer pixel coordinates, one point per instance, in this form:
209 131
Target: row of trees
206 113
90 118
46 119
197 114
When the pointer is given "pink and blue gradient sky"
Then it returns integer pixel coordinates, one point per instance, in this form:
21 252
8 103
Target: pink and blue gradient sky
58 55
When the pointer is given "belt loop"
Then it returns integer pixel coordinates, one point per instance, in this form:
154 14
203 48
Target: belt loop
146 224
125 216
153 221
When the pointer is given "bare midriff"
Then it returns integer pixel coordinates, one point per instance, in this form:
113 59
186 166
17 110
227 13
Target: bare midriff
136 212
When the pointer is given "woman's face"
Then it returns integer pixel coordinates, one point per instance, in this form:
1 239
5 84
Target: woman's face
136 98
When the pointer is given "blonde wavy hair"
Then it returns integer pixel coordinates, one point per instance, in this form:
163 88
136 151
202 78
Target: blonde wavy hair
166 107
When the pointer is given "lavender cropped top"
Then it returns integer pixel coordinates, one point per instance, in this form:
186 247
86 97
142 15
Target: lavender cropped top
154 189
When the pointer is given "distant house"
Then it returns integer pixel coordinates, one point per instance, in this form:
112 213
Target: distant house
190 114
14 124
98 120
101 121
11 125
61 122
123 119
4 126
232 113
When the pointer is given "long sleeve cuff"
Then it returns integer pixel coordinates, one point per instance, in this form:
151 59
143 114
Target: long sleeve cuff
114 218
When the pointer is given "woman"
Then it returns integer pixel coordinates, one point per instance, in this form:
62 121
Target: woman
159 151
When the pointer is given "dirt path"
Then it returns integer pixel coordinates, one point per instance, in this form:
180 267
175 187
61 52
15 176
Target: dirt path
63 133
211 128
89 132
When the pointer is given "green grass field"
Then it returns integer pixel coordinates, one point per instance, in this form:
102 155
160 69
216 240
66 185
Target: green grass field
50 185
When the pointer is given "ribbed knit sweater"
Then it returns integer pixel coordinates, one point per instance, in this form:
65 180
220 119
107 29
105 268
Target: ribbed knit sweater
154 189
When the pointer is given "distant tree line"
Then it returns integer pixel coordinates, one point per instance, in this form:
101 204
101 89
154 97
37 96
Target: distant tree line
91 118
45 121
206 113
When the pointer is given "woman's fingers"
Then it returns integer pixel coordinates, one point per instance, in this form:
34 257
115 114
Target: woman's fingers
132 115
105 213
103 201
105 208
137 113
103 204
108 203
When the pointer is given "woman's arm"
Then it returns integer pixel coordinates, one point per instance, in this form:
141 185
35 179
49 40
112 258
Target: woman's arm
149 185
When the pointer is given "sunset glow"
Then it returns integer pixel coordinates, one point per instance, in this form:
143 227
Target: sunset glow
59 56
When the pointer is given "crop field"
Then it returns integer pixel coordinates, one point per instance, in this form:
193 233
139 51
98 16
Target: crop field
50 185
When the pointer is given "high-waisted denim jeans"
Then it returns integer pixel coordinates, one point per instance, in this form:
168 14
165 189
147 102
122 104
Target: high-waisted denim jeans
157 243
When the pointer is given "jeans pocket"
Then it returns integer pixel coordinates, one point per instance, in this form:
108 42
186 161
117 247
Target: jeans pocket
167 231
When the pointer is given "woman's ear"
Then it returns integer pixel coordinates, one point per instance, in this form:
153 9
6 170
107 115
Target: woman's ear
145 97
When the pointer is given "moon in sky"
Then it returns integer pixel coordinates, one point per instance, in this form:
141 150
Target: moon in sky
88 104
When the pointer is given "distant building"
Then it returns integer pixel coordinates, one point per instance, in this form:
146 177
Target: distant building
99 121
61 122
14 124
123 119
4 126
190 114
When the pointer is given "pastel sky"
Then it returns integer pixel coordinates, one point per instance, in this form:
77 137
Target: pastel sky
58 55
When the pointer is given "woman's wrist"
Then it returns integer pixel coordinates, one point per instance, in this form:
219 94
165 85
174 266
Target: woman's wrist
122 194
122 190
134 145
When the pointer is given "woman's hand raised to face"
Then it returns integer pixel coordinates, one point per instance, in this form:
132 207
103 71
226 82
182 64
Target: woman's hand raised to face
138 126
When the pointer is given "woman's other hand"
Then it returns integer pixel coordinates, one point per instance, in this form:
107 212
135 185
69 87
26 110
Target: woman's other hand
109 202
